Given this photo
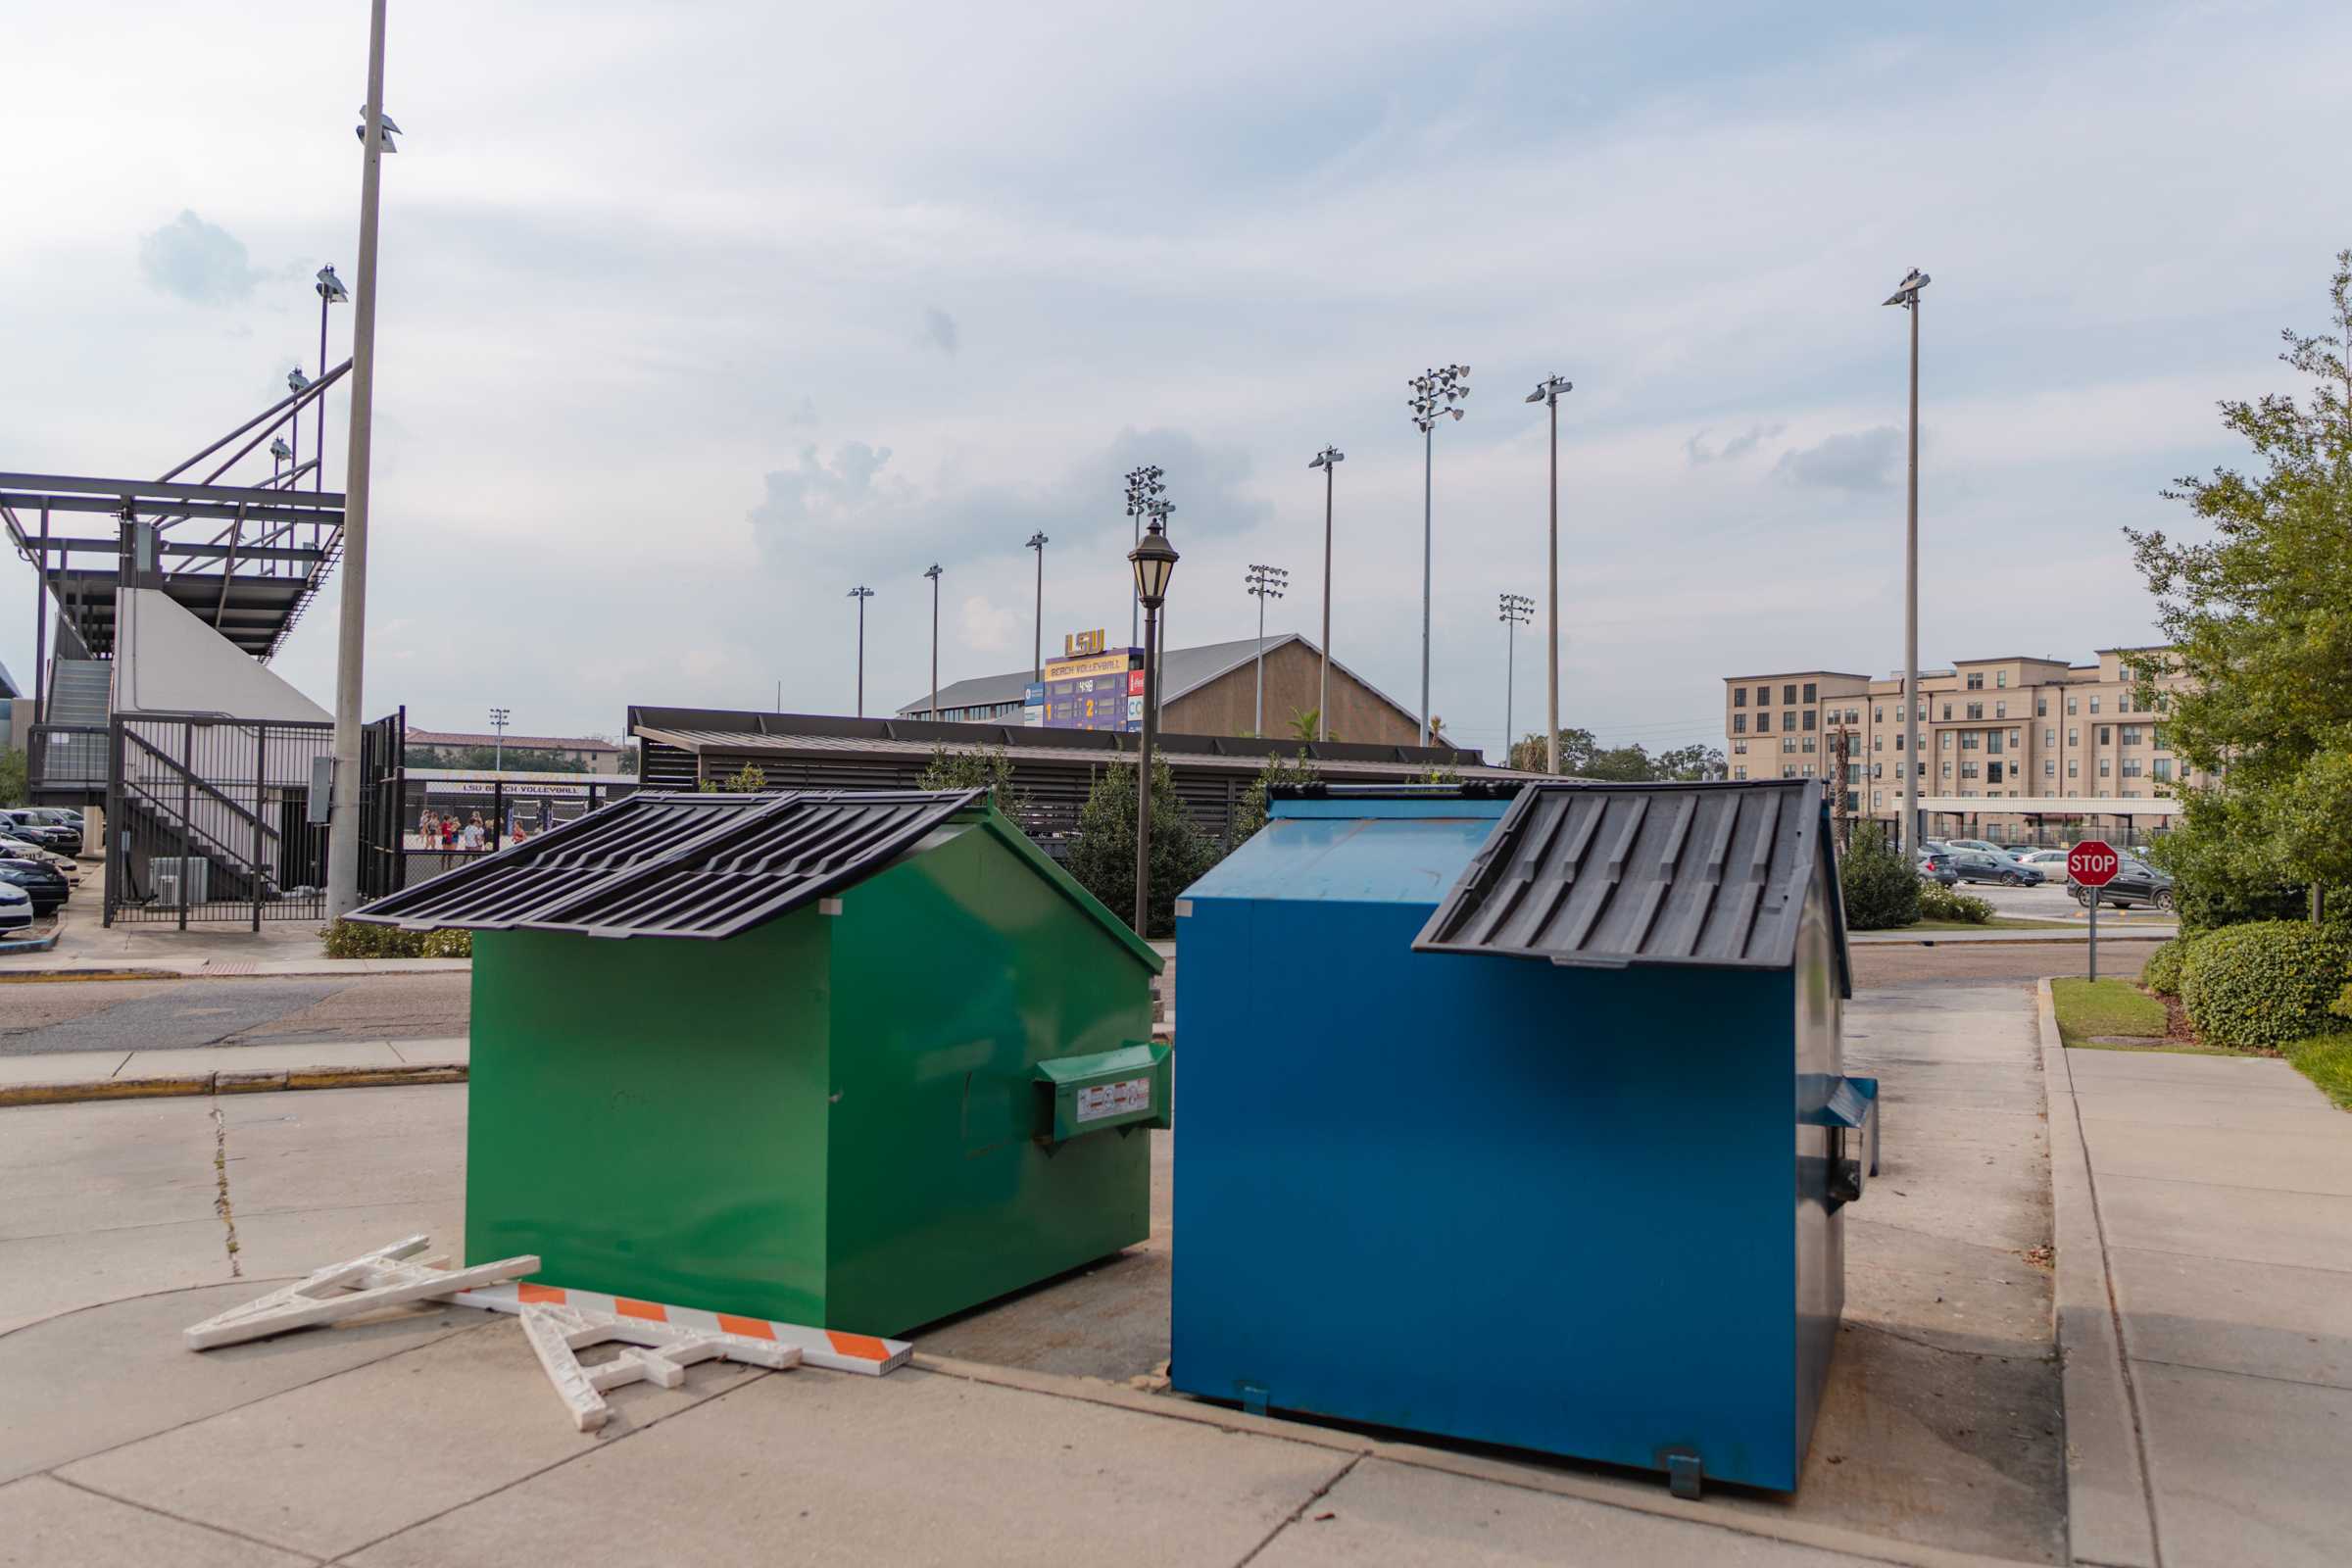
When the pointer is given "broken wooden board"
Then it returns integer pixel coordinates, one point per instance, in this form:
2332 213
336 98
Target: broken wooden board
829 1348
654 1352
386 1277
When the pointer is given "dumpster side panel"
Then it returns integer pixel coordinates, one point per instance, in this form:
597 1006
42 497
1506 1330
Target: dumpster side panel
1819 1013
956 971
648 1115
1485 1198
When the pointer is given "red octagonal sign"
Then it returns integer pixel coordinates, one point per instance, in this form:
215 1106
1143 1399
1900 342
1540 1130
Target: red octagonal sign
2091 864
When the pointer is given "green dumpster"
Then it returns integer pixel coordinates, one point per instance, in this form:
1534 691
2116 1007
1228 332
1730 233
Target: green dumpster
856 1060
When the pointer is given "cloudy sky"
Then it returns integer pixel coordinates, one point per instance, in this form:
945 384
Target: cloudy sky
696 315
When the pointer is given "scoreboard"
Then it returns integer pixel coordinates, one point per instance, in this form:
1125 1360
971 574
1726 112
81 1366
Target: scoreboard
1096 691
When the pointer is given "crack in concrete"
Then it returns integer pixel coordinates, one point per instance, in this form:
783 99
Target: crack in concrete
221 1203
1300 1512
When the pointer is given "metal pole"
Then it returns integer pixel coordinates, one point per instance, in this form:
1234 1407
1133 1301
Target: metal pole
1037 652
2094 935
319 474
1259 727
1913 828
40 622
1428 451
343 823
1510 681
1323 685
261 783
935 644
1134 595
861 656
1551 665
1143 781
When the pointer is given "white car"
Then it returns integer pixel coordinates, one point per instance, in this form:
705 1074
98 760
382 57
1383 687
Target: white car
2051 863
19 850
15 911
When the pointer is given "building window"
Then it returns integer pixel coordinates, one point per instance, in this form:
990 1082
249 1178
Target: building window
2049 769
1788 743
2015 743
1739 727
1970 740
2074 770
1808 750
2095 703
1853 715
1898 740
1993 772
1737 772
2106 734
1789 695
1976 709
2042 708
2131 734
1992 740
1878 743
1899 770
1877 771
1763 727
2162 744
1976 683
2070 704
2000 677
1740 747
1738 700
1968 770
2074 737
1763 695
2106 768
1809 716
1948 713
1788 770
1948 771
1812 693
1947 745
2130 768
2000 709
1808 770
1878 797
2163 767
2049 737
1877 715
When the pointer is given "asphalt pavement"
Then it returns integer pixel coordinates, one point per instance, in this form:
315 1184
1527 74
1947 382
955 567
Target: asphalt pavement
38 1017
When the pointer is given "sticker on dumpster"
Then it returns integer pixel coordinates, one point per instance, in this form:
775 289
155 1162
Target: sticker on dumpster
1124 1098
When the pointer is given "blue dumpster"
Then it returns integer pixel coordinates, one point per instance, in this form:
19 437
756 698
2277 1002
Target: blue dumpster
1523 1120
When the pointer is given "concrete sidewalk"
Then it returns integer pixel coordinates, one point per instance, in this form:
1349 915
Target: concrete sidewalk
2143 931
62 1076
2204 1212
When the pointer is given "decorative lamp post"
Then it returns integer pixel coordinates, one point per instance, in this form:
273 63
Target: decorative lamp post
1906 295
1548 391
1265 582
1154 561
1437 393
1515 610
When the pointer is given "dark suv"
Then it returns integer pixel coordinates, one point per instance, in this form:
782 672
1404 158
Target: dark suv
41 883
1975 866
2135 882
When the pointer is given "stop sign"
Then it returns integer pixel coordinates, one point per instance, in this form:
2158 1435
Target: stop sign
2091 864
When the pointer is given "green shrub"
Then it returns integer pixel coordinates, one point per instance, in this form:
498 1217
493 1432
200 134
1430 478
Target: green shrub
2261 985
348 939
1939 903
1881 892
2161 974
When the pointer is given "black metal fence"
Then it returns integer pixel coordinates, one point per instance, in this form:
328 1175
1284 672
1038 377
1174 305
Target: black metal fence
207 819
446 818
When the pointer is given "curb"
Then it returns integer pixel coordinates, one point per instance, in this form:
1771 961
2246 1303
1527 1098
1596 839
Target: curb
2021 939
2110 1511
32 944
54 976
233 1081
1645 1496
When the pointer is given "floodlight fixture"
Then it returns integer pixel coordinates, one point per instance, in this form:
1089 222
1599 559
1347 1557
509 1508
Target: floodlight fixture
330 287
1549 389
1327 457
390 129
1906 293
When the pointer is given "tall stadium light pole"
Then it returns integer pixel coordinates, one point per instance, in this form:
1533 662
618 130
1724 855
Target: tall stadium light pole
1154 563
933 574
1906 295
1265 582
861 594
1144 487
1548 391
1515 609
1037 659
351 634
330 292
1437 393
1329 461
498 749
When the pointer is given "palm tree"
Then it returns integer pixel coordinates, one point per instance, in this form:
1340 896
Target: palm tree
1302 724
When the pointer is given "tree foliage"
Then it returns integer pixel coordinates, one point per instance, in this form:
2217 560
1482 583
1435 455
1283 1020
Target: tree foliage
2259 618
1250 815
749 779
1881 890
1581 755
984 768
15 785
1101 854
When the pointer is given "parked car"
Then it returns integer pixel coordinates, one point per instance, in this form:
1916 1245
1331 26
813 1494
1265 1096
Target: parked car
63 864
20 822
1937 868
15 911
2051 863
2135 882
41 884
1980 846
1977 865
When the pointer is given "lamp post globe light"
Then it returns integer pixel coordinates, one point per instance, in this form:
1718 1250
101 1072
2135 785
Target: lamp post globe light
1329 461
1265 582
1037 654
1144 489
1906 295
1154 561
1515 610
934 575
330 292
1548 391
861 594
1437 393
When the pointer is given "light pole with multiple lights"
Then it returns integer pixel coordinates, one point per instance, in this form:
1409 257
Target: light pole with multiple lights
1143 488
330 292
1265 582
1037 660
933 574
1548 391
498 747
1515 608
1154 561
1906 295
861 594
1329 461
1437 393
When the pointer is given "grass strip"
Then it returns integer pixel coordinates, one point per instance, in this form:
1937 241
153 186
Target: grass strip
2088 1010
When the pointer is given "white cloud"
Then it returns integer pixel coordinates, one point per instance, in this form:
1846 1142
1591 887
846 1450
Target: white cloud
198 262
989 629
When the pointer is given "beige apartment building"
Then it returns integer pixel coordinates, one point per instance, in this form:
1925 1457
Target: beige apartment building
2014 748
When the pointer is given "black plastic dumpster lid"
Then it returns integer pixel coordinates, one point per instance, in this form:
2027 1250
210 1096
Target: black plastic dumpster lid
657 864
1714 875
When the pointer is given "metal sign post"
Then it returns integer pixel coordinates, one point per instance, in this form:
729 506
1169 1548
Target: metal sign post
2092 865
